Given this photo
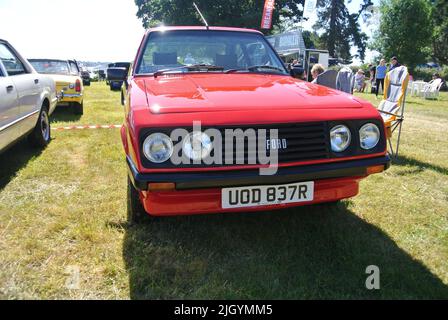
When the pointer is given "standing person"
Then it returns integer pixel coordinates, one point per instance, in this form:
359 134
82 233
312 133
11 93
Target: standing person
394 63
372 71
381 71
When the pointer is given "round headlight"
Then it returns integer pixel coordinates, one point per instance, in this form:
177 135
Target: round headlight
340 138
369 135
158 147
197 145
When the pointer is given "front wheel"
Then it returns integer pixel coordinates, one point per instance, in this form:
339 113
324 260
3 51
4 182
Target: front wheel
41 135
78 108
136 211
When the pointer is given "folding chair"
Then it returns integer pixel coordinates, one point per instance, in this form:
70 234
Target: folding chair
345 80
393 103
327 79
431 90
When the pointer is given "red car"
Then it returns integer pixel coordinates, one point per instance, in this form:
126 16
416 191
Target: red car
215 123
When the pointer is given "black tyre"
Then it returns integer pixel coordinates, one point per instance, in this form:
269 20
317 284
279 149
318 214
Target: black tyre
41 135
136 212
78 108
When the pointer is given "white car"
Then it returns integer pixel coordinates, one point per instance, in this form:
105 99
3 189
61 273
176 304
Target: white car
27 99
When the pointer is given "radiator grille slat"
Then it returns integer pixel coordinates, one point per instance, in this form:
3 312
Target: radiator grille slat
303 142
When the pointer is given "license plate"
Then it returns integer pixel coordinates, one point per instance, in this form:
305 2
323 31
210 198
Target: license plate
266 195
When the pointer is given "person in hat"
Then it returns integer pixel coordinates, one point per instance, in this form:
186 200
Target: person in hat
394 63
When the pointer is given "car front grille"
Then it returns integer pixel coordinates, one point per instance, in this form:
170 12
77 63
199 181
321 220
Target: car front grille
299 142
302 142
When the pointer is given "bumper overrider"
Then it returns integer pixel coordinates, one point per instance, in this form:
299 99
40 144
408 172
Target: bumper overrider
200 192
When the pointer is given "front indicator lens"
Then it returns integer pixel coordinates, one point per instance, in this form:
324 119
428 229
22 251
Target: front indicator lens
369 136
340 137
375 169
158 147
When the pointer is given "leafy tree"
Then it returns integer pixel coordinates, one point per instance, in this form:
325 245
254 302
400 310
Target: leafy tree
313 40
238 13
342 29
440 35
405 30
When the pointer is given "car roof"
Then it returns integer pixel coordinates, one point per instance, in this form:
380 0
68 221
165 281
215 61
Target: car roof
172 28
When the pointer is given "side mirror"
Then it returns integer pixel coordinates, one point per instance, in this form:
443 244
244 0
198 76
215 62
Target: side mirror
117 74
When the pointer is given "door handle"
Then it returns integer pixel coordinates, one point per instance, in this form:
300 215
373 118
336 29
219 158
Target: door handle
9 89
36 81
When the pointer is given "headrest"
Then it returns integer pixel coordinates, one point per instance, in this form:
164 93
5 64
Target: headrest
226 60
164 58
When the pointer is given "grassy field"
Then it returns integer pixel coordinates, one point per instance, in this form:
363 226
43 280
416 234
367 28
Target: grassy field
63 211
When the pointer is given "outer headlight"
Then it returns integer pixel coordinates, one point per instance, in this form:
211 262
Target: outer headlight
340 138
369 136
158 147
197 146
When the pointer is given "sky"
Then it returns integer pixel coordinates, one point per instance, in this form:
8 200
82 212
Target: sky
353 6
85 30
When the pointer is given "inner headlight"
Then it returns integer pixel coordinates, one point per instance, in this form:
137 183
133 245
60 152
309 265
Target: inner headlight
340 138
369 135
197 145
158 147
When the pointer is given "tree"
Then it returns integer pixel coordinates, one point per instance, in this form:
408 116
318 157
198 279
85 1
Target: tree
341 28
313 40
440 35
238 13
405 31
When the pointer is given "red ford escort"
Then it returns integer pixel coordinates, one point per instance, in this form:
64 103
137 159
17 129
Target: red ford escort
214 122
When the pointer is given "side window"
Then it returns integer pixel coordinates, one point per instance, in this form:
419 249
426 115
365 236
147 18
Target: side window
73 68
11 63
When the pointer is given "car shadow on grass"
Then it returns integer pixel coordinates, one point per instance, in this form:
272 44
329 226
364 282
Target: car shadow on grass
419 165
15 158
308 252
64 114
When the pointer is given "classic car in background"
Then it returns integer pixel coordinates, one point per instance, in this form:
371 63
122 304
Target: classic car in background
85 76
114 84
66 74
321 141
26 100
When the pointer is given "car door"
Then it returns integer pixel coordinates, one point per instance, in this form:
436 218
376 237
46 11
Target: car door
27 85
9 109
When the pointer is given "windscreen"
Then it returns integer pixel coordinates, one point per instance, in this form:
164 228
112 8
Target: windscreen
50 66
227 49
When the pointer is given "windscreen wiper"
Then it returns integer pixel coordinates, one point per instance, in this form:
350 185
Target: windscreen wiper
193 67
256 68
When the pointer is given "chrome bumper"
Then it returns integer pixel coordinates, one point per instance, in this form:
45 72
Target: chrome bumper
70 95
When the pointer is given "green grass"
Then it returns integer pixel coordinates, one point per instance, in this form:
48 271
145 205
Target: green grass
66 206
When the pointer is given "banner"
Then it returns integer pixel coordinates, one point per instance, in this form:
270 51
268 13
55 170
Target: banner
266 20
309 8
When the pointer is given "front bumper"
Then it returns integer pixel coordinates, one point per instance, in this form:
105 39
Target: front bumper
200 192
